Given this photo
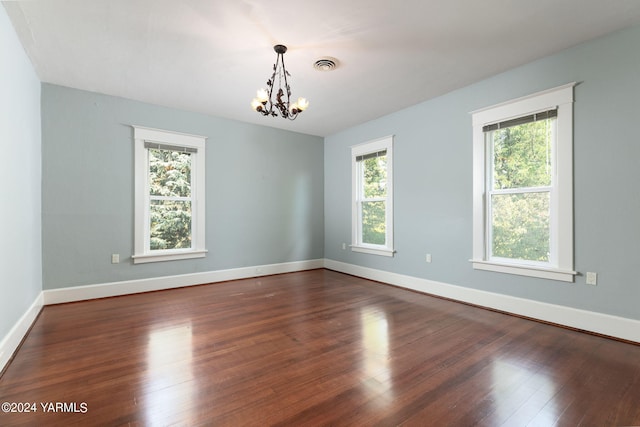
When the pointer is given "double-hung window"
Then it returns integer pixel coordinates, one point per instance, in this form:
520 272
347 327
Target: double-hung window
523 186
372 194
169 195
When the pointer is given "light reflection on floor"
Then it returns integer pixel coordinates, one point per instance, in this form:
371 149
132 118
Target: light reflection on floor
375 358
170 383
533 383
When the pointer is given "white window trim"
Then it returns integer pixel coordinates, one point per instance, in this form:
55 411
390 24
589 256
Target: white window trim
356 235
562 199
142 254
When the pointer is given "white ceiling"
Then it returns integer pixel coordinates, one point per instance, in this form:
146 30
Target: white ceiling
210 56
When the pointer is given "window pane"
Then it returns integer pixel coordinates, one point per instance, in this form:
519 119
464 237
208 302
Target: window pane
170 224
373 223
520 226
522 155
375 177
169 173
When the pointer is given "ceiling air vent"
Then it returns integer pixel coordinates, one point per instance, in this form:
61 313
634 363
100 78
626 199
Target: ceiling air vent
326 64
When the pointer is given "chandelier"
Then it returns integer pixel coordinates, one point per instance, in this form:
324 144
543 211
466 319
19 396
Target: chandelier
264 103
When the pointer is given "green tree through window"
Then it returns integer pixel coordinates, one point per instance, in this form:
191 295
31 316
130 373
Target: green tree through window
170 199
520 190
374 172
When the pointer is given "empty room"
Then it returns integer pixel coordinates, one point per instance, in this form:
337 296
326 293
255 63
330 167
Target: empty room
231 213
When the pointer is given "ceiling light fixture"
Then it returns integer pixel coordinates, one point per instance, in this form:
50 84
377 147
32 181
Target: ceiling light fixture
263 103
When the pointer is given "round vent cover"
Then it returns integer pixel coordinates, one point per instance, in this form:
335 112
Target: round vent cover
326 64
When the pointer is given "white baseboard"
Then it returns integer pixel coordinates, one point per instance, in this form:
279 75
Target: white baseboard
604 324
613 326
12 340
103 290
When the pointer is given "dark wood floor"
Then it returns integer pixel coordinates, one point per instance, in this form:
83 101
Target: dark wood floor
312 348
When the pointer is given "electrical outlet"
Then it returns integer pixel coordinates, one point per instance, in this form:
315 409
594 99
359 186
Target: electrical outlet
115 258
592 278
428 258
344 246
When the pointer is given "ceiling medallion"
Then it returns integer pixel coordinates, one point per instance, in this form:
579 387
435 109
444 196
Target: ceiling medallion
264 103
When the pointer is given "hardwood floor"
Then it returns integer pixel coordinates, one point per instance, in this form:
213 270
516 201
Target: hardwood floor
312 348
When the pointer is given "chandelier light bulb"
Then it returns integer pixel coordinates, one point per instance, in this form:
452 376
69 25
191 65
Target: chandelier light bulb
263 95
302 103
255 104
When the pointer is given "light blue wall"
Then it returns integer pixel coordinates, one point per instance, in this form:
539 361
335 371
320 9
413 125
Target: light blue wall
264 190
21 250
267 189
433 179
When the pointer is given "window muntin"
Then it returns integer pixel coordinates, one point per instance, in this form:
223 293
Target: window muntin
169 190
372 197
536 190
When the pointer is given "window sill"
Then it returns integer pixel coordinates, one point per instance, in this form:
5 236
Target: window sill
168 256
525 270
373 250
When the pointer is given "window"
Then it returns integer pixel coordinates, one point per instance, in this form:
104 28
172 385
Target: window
523 186
372 192
169 195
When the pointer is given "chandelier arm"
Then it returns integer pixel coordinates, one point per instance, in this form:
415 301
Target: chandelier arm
282 105
286 84
270 91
